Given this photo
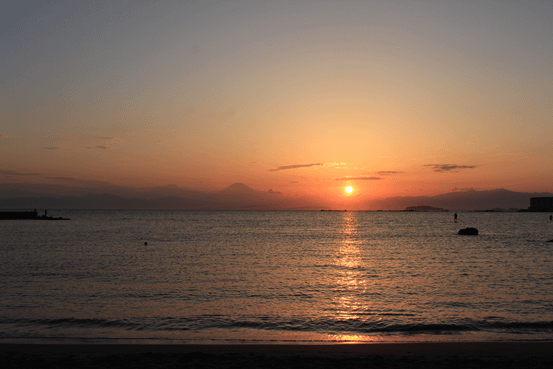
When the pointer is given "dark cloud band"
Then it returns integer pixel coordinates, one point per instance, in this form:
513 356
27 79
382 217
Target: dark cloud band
449 167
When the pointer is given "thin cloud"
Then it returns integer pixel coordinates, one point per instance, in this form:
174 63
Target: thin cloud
359 178
457 189
82 181
106 139
295 166
12 173
98 147
336 165
53 148
67 179
449 167
88 138
3 136
384 172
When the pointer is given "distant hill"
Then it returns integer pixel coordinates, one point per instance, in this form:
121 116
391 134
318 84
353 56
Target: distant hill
166 191
465 200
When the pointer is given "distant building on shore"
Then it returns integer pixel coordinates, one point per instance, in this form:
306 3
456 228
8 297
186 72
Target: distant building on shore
423 208
541 204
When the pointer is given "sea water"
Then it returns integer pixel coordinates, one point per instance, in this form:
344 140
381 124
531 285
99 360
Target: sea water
276 276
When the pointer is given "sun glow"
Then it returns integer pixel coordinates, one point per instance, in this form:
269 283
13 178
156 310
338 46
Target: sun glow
349 189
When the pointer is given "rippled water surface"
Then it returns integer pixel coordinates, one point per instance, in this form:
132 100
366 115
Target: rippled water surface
279 276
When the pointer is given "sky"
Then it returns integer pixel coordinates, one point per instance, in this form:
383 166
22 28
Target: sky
392 98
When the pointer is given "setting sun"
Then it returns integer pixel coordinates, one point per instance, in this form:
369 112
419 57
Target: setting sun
349 189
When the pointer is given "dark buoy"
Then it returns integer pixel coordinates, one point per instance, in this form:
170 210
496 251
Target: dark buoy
146 243
469 231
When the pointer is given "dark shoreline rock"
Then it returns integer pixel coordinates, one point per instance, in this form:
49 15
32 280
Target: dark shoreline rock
470 231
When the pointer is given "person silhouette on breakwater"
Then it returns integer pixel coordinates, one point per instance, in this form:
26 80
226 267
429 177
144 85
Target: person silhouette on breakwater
455 218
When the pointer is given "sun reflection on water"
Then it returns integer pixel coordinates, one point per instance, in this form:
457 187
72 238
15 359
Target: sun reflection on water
350 282
355 338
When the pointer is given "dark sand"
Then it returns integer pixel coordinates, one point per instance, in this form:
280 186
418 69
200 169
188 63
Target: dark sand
378 355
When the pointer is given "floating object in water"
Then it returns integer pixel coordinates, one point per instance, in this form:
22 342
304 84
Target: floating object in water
146 243
468 231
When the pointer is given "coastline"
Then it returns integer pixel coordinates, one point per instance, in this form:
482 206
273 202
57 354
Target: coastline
511 354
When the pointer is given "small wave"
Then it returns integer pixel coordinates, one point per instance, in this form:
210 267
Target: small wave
362 324
520 326
73 323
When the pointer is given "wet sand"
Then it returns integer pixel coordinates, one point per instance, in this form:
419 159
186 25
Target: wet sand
378 355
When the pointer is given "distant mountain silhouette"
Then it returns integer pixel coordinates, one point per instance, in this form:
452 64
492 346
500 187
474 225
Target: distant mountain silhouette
238 189
239 196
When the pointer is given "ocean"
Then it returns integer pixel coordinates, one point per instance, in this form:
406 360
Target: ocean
276 276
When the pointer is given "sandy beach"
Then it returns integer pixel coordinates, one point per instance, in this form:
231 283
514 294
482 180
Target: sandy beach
380 355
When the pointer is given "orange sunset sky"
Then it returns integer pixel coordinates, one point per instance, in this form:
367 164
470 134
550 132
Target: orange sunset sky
393 98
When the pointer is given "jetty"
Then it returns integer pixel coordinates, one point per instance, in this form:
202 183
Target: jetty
32 215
